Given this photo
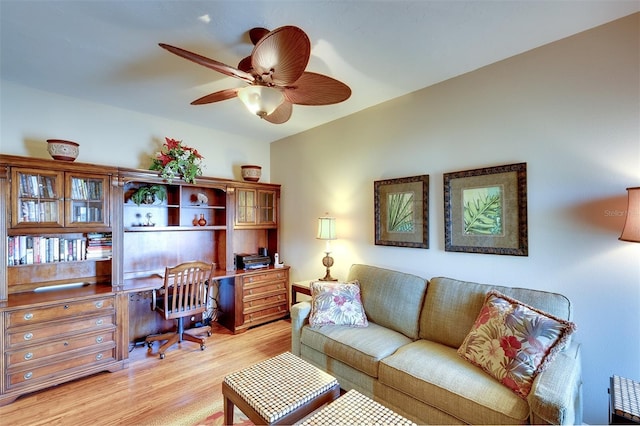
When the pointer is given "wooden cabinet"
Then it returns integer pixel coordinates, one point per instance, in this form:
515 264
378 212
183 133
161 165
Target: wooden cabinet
73 244
256 208
60 315
254 298
49 198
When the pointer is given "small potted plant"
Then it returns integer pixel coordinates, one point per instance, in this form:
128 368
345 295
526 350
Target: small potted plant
149 194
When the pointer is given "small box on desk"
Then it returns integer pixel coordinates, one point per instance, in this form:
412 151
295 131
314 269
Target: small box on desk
624 401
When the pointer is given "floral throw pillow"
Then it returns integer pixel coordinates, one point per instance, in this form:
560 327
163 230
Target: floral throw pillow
336 303
514 342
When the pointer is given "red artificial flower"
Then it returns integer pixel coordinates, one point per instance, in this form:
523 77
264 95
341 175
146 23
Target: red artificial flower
172 143
510 345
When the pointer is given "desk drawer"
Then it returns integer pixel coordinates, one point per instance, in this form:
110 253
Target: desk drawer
264 276
259 316
256 291
24 376
19 336
37 353
59 311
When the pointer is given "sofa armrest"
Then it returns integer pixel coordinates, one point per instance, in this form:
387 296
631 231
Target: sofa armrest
299 317
556 393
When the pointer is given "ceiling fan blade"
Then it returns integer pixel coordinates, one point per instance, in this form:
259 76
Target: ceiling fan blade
222 95
316 89
245 64
209 63
281 56
256 34
281 114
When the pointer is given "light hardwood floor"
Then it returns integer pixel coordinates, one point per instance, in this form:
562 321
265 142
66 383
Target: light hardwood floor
150 387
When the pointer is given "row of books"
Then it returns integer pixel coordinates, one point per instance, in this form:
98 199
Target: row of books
34 211
86 189
37 186
27 249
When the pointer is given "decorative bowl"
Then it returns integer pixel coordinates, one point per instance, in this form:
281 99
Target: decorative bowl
63 150
251 173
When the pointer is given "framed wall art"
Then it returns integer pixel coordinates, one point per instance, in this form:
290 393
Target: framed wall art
486 210
402 212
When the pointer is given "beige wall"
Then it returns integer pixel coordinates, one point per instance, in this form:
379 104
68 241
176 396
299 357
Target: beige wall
113 136
570 110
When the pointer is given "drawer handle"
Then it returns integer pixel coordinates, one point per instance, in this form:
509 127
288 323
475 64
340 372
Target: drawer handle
99 322
99 357
28 316
99 304
28 375
66 306
65 344
28 336
99 339
28 356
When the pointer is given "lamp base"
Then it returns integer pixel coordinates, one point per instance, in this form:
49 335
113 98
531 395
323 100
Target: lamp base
327 261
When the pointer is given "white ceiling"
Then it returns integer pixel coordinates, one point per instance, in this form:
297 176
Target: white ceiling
107 51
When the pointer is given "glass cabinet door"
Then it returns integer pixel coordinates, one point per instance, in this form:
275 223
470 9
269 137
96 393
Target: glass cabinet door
87 201
246 207
38 198
266 207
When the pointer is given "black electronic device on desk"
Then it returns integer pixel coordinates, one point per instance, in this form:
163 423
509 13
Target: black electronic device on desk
248 261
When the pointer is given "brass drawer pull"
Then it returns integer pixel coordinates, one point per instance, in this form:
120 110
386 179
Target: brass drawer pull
99 322
28 336
28 316
66 306
99 339
99 357
28 375
99 304
28 356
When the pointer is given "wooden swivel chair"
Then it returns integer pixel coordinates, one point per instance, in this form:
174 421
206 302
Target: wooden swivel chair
183 295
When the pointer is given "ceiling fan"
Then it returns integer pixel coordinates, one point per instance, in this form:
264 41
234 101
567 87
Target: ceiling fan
275 73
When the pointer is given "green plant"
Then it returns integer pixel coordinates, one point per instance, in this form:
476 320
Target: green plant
483 212
177 160
148 194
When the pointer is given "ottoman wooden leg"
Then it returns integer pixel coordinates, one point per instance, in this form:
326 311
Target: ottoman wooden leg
228 411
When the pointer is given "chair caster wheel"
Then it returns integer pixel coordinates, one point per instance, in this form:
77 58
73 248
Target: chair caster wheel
202 347
161 356
149 344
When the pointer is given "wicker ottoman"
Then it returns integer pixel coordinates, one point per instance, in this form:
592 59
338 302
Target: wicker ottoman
353 408
279 390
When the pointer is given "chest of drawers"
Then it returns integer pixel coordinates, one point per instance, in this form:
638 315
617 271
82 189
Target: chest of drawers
52 343
254 298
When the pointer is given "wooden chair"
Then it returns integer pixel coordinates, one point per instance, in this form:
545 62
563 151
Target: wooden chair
183 295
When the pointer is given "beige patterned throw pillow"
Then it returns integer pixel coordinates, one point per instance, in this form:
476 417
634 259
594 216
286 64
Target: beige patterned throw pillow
336 303
514 342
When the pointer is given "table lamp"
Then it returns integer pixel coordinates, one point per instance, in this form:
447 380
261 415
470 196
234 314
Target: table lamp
327 231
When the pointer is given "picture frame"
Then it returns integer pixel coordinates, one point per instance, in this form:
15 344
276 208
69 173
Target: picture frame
402 212
486 210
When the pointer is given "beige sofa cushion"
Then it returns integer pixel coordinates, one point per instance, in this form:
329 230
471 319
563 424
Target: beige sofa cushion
361 348
452 306
392 299
436 375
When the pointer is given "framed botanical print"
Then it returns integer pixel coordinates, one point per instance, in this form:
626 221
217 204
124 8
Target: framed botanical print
402 212
486 210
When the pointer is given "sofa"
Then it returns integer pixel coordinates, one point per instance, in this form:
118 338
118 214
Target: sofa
407 356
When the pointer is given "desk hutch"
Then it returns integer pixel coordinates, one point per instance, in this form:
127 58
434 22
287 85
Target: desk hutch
79 259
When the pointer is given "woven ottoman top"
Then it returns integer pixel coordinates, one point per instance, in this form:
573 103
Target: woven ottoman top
353 408
626 398
277 386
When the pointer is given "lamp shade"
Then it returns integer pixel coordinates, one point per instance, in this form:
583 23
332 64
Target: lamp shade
631 230
261 100
326 228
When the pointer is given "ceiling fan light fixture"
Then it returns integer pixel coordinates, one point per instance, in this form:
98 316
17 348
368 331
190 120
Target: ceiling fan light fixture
261 100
